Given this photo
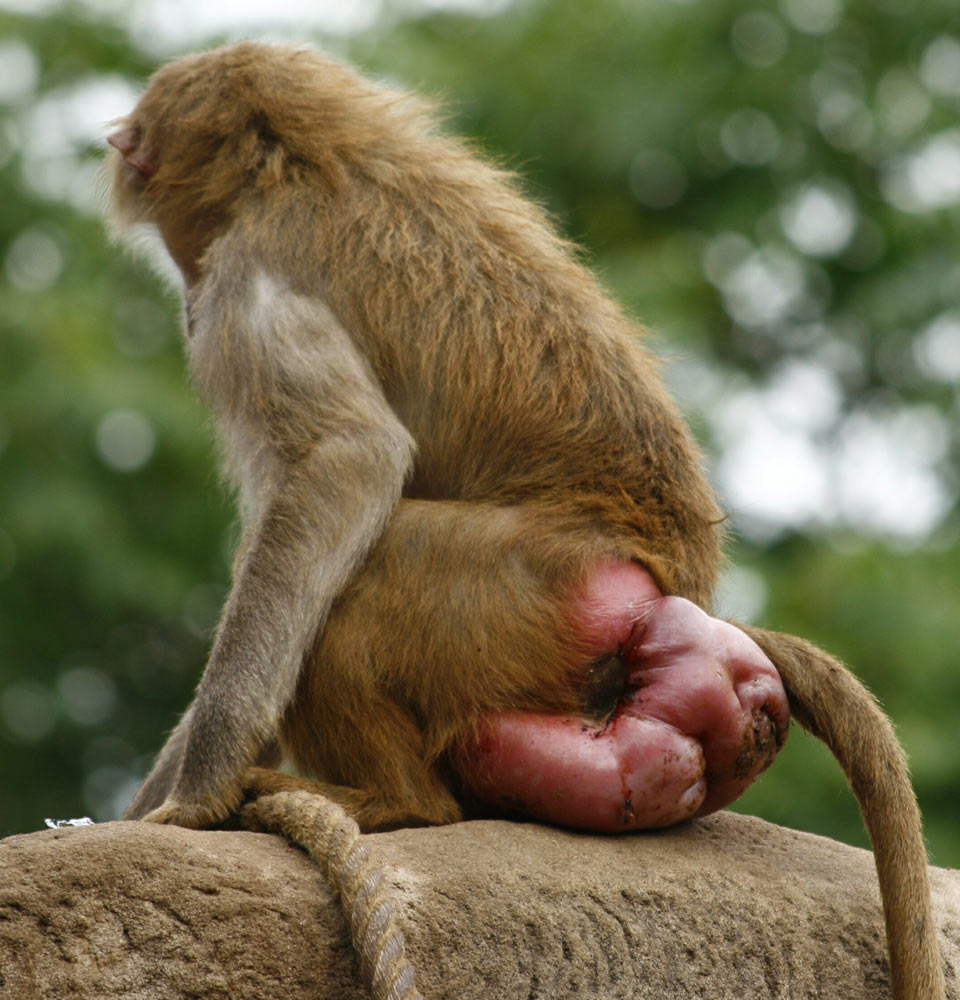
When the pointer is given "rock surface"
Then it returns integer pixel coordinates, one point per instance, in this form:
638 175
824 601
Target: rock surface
727 907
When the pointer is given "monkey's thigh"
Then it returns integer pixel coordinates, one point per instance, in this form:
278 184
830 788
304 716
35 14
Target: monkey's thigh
460 610
464 608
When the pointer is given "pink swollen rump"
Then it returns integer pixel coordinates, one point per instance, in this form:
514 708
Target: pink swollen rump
699 713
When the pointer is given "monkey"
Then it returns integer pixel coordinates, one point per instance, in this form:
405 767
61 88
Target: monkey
477 541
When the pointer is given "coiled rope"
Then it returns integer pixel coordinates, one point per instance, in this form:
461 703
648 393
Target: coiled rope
335 843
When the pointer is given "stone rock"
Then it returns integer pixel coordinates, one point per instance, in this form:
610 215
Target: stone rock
727 907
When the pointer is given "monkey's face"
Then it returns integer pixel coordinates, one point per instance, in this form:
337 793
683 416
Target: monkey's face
170 164
250 118
158 143
214 130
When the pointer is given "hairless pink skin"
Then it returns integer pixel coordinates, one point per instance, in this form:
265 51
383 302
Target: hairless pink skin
702 712
126 141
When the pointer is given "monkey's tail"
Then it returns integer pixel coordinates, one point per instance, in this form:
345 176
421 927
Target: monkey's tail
334 842
834 706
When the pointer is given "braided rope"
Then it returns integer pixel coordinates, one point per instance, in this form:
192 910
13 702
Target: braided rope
334 842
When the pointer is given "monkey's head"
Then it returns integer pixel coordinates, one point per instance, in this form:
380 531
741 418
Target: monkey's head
232 123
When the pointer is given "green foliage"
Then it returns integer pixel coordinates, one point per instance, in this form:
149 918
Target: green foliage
685 145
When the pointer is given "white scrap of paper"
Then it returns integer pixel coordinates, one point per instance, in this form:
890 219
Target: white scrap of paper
58 824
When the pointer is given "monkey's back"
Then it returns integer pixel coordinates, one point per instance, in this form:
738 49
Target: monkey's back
515 373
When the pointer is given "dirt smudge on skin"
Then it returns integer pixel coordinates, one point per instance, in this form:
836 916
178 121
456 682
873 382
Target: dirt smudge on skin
761 741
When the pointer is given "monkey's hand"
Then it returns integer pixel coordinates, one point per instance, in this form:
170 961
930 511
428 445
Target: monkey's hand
684 712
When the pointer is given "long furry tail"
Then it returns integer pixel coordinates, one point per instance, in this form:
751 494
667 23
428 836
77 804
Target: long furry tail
829 702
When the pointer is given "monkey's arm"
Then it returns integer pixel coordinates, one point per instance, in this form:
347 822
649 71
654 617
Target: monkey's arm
302 417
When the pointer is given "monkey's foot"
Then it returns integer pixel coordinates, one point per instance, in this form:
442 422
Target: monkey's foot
684 712
194 817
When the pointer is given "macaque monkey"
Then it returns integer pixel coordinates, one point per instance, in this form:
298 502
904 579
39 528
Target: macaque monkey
478 545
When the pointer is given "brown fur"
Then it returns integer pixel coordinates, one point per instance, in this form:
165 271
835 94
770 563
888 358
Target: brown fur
436 420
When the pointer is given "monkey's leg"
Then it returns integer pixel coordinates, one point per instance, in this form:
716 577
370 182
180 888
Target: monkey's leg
366 748
835 707
466 612
369 808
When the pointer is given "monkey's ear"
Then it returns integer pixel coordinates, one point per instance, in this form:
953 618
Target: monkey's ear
127 140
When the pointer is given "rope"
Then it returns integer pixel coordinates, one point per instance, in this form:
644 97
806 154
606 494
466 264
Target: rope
334 842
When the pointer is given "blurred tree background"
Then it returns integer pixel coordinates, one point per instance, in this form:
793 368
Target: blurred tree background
771 187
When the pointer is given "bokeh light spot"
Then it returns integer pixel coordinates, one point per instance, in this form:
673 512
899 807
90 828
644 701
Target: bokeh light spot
87 695
750 137
657 178
18 70
820 217
125 440
937 348
28 711
34 261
